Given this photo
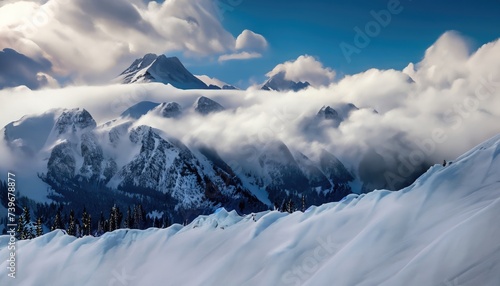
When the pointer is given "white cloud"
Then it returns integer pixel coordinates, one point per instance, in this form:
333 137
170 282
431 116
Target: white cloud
250 41
239 56
93 41
443 62
250 46
305 68
410 113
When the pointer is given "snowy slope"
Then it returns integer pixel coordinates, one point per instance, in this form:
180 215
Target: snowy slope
30 133
139 109
442 230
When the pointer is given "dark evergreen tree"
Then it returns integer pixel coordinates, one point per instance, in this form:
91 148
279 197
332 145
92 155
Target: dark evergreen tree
21 226
27 215
118 218
166 221
303 203
39 229
115 218
89 231
101 225
139 217
24 229
57 221
156 222
112 220
290 208
129 220
86 226
71 224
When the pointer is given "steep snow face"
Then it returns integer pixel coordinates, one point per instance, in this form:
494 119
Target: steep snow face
165 109
153 68
442 230
279 83
30 133
34 133
334 169
139 109
140 64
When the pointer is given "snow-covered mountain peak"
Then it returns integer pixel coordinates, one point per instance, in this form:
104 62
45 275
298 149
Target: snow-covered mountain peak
167 70
279 83
205 106
169 109
140 64
74 120
328 113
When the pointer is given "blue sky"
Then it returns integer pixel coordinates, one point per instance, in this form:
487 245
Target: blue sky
318 27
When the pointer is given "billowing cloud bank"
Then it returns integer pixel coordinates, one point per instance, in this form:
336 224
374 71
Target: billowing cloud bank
433 110
89 40
305 68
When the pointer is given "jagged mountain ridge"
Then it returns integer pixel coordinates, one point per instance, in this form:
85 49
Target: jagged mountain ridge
170 70
167 70
139 161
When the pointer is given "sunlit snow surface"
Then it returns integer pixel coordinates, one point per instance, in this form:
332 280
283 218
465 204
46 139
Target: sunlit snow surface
442 230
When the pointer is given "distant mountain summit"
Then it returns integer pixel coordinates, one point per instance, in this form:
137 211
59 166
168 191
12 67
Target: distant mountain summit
167 70
214 83
279 83
205 106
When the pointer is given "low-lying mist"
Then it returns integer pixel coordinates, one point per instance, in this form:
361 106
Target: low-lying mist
406 120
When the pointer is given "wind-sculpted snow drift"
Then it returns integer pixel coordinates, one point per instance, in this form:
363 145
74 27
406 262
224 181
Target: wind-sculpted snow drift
442 230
